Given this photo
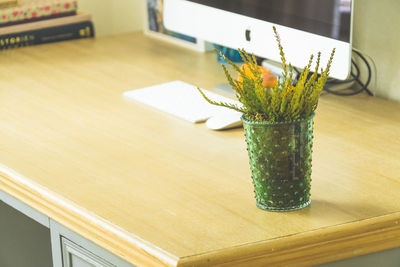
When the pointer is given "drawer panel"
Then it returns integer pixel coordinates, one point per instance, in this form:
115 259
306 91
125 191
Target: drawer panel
76 256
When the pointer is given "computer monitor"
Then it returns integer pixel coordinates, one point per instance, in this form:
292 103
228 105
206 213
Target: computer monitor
305 27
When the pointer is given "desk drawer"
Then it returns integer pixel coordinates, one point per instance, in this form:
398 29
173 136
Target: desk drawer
76 256
70 249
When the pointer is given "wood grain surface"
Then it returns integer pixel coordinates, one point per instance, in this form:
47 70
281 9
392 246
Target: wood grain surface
157 190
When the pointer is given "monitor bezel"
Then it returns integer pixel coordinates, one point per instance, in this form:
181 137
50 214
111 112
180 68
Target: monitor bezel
229 29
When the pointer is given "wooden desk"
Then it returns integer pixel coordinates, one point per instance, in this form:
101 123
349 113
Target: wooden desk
156 190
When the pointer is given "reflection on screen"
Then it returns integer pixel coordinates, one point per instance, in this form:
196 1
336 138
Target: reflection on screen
330 18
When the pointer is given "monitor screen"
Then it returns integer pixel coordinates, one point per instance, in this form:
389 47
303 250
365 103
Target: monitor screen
330 18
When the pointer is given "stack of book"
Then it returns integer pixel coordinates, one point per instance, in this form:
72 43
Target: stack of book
31 22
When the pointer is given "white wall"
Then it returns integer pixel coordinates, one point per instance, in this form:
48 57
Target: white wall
114 16
376 32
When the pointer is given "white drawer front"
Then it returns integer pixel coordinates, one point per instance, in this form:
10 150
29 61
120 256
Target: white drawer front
76 256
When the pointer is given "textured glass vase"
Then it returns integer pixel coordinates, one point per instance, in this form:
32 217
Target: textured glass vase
280 162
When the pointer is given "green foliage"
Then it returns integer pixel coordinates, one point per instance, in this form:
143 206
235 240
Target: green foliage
285 101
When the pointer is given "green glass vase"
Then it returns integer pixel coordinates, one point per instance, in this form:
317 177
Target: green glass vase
280 162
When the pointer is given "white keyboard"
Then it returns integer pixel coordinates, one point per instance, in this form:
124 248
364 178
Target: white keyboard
181 100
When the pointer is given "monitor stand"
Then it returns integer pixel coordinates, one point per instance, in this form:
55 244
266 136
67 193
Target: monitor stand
226 89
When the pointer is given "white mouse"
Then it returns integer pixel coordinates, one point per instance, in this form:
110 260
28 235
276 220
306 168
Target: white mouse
225 121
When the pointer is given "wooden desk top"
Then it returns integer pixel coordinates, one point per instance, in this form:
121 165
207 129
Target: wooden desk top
157 190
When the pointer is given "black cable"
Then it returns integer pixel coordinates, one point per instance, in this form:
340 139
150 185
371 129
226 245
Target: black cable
297 72
355 78
369 73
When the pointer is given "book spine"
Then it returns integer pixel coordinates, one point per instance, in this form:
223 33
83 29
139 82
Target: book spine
47 35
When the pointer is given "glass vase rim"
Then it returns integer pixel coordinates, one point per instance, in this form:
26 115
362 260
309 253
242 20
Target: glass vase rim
276 122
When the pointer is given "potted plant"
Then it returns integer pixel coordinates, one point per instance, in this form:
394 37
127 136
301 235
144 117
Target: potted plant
278 125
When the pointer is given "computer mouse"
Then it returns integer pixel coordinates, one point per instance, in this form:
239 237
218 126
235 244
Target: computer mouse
225 121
